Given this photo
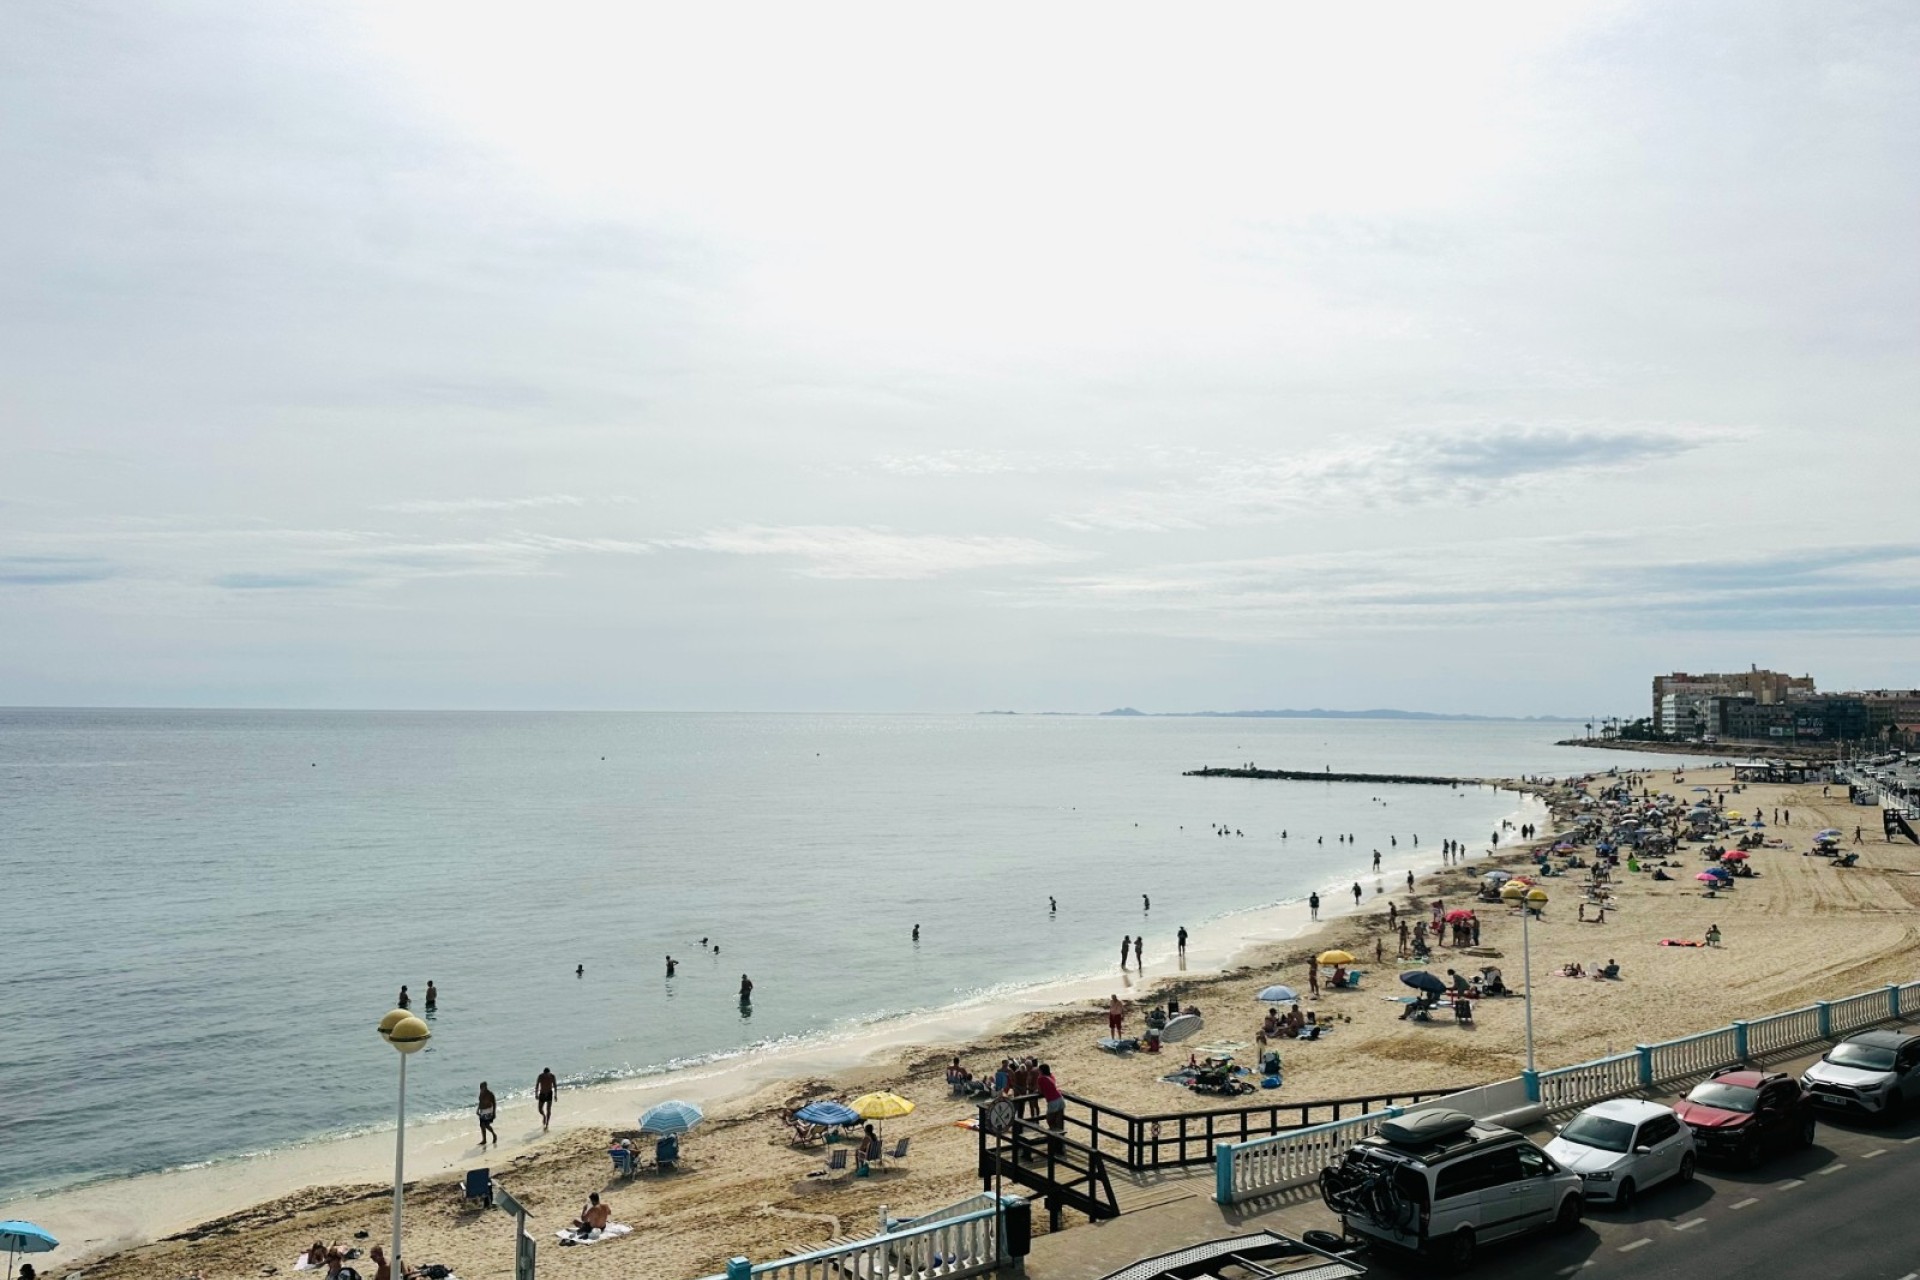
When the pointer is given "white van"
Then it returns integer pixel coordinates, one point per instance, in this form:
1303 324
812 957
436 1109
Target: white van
1440 1183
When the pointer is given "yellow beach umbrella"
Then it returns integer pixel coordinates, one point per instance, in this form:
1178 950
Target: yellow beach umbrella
1335 957
881 1106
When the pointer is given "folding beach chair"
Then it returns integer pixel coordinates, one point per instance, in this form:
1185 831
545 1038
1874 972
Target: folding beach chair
836 1161
479 1186
899 1151
624 1162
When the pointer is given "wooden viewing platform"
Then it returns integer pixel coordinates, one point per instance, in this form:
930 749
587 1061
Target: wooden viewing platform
1301 775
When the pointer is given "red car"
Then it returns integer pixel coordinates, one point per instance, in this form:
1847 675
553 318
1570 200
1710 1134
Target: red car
1744 1116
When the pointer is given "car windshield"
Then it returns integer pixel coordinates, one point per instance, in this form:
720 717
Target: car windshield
1727 1097
1599 1132
1869 1057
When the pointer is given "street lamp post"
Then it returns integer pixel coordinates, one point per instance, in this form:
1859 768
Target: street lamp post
1530 900
409 1035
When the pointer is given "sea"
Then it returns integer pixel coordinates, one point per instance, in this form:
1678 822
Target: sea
206 912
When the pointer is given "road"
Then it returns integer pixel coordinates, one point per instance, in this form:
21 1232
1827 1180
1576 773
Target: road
1839 1211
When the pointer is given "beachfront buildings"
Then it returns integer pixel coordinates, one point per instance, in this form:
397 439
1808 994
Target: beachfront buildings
1756 705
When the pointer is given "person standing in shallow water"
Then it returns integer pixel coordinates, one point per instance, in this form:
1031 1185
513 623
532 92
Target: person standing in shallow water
433 996
1139 945
1181 937
1313 906
746 989
404 1001
1126 942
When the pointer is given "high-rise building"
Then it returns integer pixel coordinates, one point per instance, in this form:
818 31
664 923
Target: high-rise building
1765 687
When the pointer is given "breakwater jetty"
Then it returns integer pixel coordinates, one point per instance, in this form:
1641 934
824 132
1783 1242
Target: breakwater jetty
1302 775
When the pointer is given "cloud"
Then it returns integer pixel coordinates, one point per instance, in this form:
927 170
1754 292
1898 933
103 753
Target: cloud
463 506
845 552
52 571
1606 581
1413 469
282 581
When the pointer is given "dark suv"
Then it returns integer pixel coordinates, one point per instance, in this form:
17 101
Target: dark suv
1744 1116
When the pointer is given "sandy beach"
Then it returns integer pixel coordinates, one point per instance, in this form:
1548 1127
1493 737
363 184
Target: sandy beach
1802 930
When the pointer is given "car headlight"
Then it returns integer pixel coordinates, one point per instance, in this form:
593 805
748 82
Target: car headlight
1605 1175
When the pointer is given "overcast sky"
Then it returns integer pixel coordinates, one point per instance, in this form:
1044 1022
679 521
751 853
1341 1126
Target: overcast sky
1456 357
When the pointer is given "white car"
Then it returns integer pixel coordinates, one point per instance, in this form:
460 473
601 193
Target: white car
1623 1146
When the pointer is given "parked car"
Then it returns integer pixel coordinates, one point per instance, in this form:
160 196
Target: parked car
1623 1146
1875 1073
1744 1116
1440 1183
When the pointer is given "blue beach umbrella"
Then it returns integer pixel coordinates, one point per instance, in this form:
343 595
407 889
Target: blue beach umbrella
1421 980
1278 995
24 1237
669 1118
827 1112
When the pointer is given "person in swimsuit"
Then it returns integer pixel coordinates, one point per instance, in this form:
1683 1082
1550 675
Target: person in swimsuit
1139 944
746 989
405 1001
1181 937
672 964
433 996
486 1111
1126 941
544 1088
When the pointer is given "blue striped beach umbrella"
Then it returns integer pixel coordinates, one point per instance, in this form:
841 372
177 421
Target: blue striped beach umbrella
671 1117
1278 995
828 1113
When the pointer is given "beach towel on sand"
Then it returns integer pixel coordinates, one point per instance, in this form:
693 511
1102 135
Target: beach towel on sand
614 1229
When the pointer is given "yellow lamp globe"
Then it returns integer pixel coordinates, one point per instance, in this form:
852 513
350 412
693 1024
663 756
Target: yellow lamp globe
388 1023
1536 897
409 1035
1513 891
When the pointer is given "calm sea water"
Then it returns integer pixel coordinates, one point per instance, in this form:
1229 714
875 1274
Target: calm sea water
206 911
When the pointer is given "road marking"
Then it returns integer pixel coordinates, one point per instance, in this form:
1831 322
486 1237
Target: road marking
1580 1266
1635 1244
1744 1203
1688 1224
1904 1141
1911 1275
1832 1168
1791 1183
1877 1151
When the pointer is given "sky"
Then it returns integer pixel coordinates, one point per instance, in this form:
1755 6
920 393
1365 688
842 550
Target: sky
1479 358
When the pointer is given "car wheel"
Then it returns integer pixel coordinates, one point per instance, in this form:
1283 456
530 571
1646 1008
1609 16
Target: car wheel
1623 1198
1687 1164
1569 1216
1750 1155
1896 1108
1806 1132
1460 1248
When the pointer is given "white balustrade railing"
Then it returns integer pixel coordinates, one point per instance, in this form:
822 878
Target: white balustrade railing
1779 1031
1694 1055
1265 1165
1909 999
1858 1011
945 1250
1590 1081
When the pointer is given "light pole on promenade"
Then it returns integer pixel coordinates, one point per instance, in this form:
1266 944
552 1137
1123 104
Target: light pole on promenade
1530 901
409 1035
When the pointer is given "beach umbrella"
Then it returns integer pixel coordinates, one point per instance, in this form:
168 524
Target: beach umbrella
1276 994
1700 789
671 1117
24 1237
1733 815
1707 877
1335 957
1459 913
1737 855
1563 847
1421 980
1830 833
828 1113
881 1106
1495 877
1182 1027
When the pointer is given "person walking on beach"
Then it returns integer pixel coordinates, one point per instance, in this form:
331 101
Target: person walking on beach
1116 1016
1393 915
1403 939
746 989
1139 945
544 1087
1379 950
486 1111
1409 882
1356 893
1126 943
1181 939
433 996
1313 906
406 1001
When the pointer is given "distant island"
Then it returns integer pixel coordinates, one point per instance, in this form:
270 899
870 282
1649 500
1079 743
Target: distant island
1315 713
